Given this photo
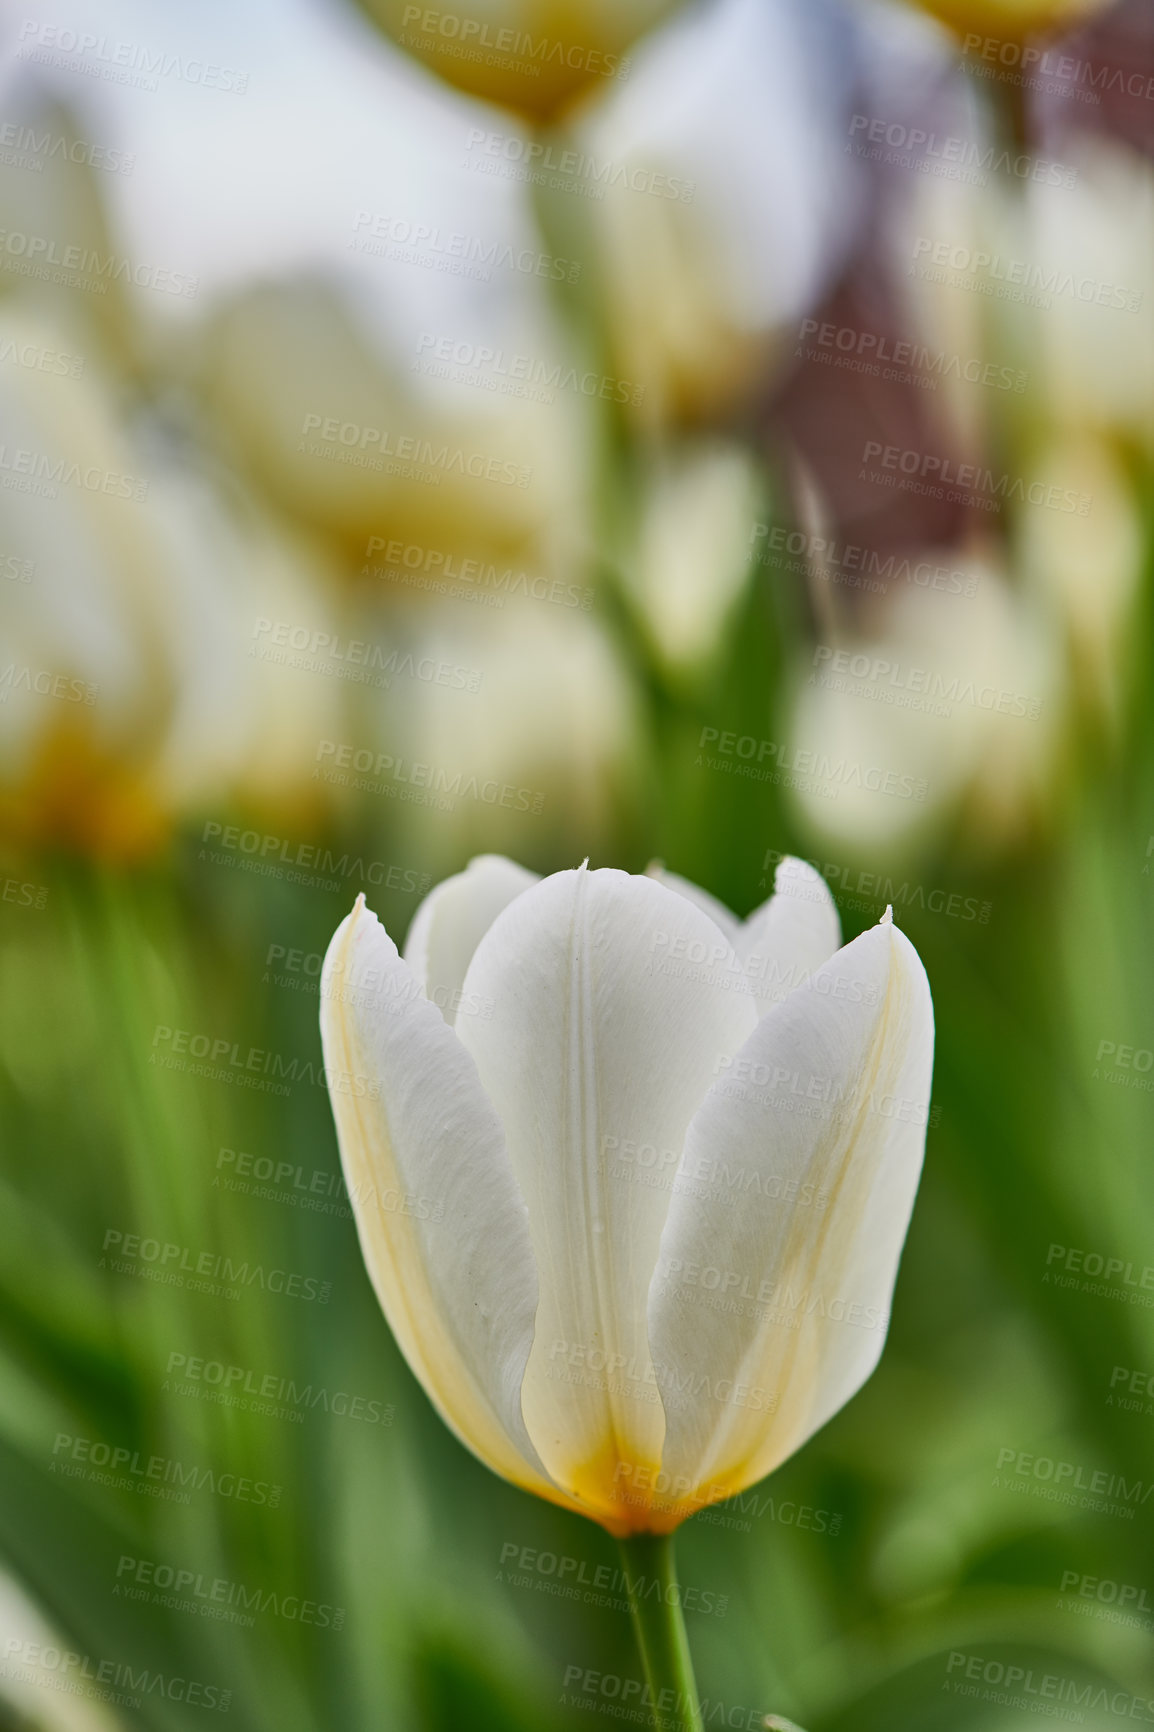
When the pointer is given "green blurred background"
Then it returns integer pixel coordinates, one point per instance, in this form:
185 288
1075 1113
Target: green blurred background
628 637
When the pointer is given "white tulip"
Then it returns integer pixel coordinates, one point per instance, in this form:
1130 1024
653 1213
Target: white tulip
314 383
1096 354
733 119
1074 352
132 690
50 194
693 553
1087 571
556 719
950 702
241 728
637 1241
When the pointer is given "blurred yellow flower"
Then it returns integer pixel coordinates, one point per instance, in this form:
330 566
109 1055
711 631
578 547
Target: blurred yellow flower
531 55
1010 20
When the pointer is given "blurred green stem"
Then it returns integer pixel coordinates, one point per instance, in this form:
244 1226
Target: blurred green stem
655 1606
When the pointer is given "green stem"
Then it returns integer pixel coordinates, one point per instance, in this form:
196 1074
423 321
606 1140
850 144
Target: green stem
655 1606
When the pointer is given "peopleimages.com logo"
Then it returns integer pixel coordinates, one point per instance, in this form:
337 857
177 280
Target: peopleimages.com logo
1020 1686
471 38
162 1584
154 1475
121 1683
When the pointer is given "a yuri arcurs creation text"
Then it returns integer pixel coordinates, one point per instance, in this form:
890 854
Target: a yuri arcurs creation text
673 1158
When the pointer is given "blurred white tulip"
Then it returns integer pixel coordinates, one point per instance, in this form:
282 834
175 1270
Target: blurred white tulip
1088 570
1095 241
128 695
83 690
55 175
543 752
945 706
946 321
243 721
693 556
730 202
1050 279
311 393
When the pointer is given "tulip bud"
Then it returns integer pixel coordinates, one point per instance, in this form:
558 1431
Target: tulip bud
530 55
947 704
659 1220
129 691
319 406
519 720
694 556
727 205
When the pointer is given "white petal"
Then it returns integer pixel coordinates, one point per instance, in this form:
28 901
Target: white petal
700 501
787 939
616 1001
442 1225
770 1303
721 916
452 920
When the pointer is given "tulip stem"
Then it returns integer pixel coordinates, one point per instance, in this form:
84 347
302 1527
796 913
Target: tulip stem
655 1606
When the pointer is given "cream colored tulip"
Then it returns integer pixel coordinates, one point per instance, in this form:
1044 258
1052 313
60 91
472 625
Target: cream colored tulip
1050 282
1095 241
324 409
129 698
948 321
652 1226
1087 571
728 202
545 750
963 713
693 553
83 699
245 712
52 206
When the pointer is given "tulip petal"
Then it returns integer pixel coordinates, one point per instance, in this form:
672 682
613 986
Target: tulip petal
771 1300
442 1226
615 1001
452 920
787 939
717 911
784 940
